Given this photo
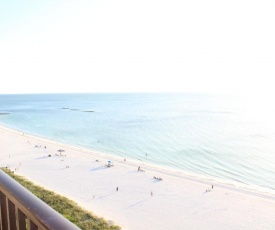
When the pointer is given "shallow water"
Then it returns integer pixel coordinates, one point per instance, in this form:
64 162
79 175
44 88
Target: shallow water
225 137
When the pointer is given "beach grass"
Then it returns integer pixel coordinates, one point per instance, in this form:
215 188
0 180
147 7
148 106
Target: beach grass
66 207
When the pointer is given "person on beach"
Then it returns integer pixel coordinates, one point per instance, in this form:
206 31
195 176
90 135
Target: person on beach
117 189
212 186
151 193
138 168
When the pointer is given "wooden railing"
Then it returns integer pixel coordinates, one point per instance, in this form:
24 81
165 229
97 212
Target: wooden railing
21 210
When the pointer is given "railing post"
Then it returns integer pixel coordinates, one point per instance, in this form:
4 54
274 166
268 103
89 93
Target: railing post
16 218
8 212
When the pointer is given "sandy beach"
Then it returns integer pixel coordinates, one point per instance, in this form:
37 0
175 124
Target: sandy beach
132 198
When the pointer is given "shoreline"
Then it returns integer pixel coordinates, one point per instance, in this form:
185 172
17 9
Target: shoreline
96 191
229 184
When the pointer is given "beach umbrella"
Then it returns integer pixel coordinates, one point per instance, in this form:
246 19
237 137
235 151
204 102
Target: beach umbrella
60 150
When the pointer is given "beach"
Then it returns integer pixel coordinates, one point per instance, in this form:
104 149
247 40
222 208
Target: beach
149 197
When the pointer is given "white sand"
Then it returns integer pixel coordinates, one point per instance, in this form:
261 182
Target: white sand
179 201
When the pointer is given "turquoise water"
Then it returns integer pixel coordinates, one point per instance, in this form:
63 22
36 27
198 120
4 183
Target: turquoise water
226 137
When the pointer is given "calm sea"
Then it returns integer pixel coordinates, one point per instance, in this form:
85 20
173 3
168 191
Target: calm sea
230 138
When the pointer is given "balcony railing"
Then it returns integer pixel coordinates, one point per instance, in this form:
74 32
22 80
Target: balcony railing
21 210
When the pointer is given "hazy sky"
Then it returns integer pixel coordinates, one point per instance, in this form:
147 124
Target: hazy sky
137 46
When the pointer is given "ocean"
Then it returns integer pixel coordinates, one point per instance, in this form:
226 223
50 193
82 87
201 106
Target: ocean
230 138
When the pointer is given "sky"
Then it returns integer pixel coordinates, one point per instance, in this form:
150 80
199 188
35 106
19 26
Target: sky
82 46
